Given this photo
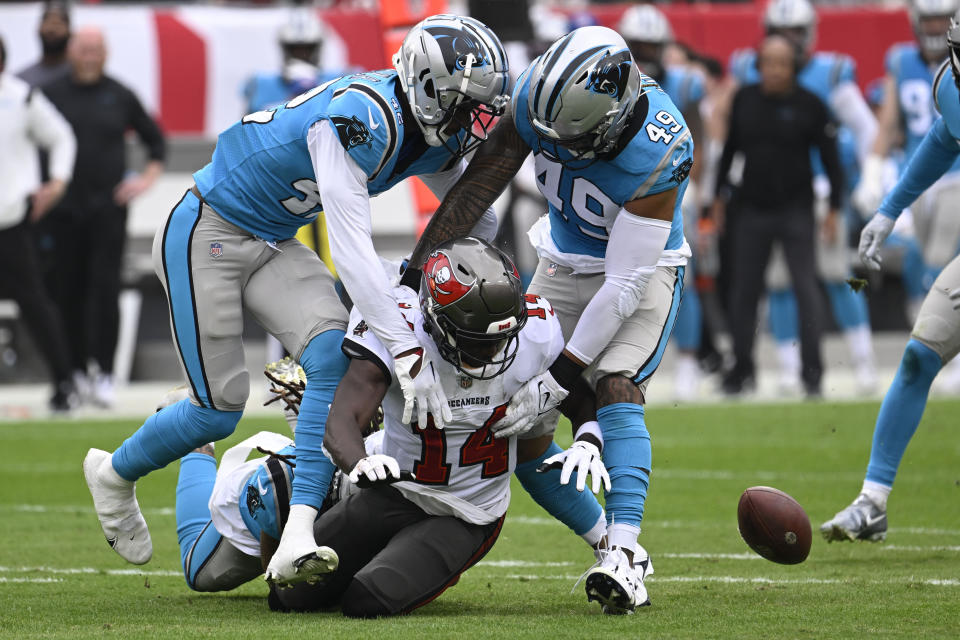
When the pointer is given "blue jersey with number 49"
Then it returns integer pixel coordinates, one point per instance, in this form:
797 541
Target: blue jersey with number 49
262 179
654 154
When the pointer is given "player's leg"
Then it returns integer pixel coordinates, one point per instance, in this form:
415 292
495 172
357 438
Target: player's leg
620 375
203 262
935 340
782 313
419 563
796 233
209 562
357 528
292 296
686 338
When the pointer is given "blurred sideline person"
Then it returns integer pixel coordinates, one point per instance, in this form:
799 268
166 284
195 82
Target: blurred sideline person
648 33
774 124
27 122
401 546
228 245
612 154
84 237
906 114
54 34
936 333
831 76
301 41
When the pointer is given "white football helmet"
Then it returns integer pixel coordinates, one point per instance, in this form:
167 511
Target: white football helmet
953 44
448 64
645 23
300 38
792 15
930 37
582 92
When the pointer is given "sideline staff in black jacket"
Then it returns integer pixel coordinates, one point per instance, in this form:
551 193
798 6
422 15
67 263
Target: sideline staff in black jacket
774 124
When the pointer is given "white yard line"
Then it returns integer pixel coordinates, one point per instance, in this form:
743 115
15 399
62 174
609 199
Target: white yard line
76 508
4 579
936 582
91 571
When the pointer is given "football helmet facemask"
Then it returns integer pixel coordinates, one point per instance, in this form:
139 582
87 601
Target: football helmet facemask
794 19
473 306
928 18
453 71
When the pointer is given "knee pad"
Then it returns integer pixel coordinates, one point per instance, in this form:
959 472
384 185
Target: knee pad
323 361
920 363
358 602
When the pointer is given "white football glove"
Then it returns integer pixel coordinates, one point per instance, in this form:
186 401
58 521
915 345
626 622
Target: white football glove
535 398
955 296
373 469
872 238
421 391
585 458
869 192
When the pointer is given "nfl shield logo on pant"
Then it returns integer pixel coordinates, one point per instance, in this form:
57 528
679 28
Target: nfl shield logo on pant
216 249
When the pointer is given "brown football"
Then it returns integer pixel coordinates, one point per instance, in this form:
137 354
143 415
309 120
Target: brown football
774 525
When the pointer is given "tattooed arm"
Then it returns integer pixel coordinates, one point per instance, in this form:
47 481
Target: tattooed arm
488 174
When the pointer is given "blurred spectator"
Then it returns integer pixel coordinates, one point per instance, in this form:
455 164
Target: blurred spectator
54 33
84 236
28 121
774 124
301 40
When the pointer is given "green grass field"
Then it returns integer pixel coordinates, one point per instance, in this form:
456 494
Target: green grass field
58 578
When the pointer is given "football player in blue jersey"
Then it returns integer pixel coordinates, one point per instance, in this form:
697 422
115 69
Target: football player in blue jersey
906 114
647 32
936 333
228 246
831 76
612 156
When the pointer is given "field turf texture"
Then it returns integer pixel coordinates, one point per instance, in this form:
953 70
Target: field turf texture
59 579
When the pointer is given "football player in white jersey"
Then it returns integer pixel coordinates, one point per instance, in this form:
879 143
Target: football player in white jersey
400 546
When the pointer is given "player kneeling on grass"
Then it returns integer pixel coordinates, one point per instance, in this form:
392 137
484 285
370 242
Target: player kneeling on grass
434 499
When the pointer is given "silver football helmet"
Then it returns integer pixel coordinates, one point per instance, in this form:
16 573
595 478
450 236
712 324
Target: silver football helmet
453 71
795 19
582 92
473 306
928 18
953 44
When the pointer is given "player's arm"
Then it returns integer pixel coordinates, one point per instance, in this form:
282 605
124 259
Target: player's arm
342 184
852 111
355 403
152 138
888 119
496 162
826 142
442 182
637 239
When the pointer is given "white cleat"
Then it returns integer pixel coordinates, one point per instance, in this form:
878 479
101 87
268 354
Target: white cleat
294 563
115 501
616 585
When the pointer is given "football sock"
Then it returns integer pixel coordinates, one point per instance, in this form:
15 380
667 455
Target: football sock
878 493
628 458
901 411
849 307
783 316
788 353
324 364
579 510
687 330
860 343
622 535
198 473
170 434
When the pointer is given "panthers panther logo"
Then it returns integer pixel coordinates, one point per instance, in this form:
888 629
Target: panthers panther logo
443 281
456 45
352 131
611 75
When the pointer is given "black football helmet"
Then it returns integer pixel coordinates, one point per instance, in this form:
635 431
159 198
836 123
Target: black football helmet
473 306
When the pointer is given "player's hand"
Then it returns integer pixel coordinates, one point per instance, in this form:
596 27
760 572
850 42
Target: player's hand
532 400
43 199
376 469
130 189
421 390
872 238
585 458
955 297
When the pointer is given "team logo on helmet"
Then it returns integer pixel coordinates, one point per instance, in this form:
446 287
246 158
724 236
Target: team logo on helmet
456 45
352 131
442 280
612 75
